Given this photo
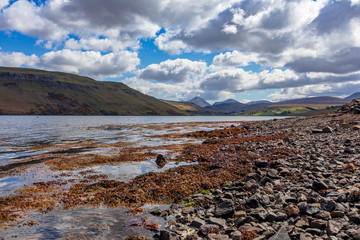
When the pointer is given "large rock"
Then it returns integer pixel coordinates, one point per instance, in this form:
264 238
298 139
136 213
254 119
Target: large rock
282 234
225 209
319 185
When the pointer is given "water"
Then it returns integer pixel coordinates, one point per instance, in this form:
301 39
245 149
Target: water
20 134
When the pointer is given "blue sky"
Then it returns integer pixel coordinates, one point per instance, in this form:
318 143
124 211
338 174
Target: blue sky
178 49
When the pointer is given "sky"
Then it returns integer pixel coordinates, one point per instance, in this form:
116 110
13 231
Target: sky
178 49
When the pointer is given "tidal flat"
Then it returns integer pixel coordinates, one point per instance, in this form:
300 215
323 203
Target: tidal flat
47 170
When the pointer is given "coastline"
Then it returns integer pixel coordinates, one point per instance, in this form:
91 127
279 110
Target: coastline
263 161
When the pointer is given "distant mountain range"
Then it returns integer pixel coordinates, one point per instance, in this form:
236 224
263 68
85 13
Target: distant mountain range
301 105
30 91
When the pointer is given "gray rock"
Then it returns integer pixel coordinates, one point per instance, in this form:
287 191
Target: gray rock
225 209
318 223
253 176
327 130
312 210
217 221
327 204
197 223
333 228
282 234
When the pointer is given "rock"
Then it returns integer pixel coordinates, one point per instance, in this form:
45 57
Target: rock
323 215
327 130
327 204
316 131
217 221
319 185
253 176
237 235
356 234
336 214
282 234
197 223
292 210
225 209
167 235
188 210
213 236
313 231
302 224
312 210
208 228
160 160
261 163
333 228
318 223
349 167
252 203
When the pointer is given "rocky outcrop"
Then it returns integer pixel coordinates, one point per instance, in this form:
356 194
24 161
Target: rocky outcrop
352 107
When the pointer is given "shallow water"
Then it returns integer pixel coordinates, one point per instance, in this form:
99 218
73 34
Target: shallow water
19 133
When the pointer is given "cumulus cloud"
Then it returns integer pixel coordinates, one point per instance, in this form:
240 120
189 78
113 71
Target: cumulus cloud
175 71
89 63
235 58
17 59
4 3
337 89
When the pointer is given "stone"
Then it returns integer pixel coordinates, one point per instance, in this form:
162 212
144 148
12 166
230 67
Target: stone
302 224
217 221
282 234
168 235
225 209
327 130
197 223
261 163
349 167
213 236
160 160
252 203
318 185
313 231
237 235
333 228
327 204
337 214
208 228
312 210
318 223
253 176
292 210
356 234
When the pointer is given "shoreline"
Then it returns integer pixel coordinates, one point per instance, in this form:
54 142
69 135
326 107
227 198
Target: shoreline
261 149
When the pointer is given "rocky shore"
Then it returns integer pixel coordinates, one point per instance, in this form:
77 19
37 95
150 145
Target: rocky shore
311 192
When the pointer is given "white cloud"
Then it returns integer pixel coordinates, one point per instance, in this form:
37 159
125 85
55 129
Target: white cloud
235 58
178 70
4 3
17 59
90 63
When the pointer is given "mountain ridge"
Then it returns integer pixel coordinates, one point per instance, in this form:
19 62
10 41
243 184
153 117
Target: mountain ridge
39 92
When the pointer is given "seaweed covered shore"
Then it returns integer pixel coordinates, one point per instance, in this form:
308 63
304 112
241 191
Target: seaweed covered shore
295 178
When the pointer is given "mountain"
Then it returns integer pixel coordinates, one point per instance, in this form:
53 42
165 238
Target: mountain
226 101
314 100
259 102
227 108
199 101
191 108
30 91
353 96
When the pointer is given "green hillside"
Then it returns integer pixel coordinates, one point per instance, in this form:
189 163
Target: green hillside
191 108
30 91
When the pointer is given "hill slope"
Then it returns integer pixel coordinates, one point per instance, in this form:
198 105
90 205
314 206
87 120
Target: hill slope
191 108
30 91
199 101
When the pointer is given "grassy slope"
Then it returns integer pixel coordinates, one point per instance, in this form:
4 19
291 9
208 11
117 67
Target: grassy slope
190 108
290 110
29 91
